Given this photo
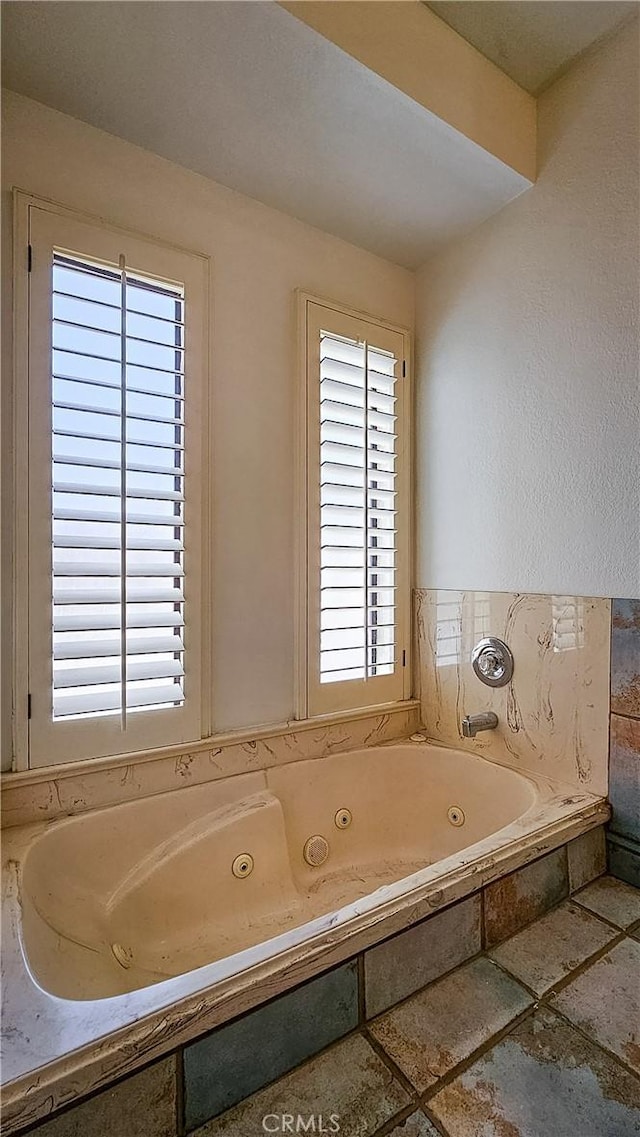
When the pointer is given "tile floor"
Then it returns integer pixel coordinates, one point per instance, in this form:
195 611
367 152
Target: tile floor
538 1037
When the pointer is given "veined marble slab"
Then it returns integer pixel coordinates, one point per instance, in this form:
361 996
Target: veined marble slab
59 791
554 715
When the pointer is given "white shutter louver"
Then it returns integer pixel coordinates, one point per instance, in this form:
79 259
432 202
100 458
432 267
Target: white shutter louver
357 510
118 490
354 611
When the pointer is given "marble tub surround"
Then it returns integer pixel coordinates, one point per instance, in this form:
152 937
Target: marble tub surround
59 1050
624 755
553 715
60 791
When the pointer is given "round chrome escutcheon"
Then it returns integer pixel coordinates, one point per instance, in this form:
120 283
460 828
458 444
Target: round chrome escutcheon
492 662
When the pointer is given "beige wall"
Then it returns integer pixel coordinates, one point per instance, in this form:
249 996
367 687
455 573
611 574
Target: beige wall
528 426
259 257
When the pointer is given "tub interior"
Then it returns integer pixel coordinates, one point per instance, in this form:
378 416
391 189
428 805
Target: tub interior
128 896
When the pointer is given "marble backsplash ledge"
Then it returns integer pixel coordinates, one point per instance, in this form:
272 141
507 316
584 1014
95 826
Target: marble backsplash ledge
54 791
554 714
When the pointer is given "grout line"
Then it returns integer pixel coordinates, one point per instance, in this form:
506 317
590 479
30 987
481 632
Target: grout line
397 1119
181 1115
393 1067
611 1054
623 715
586 964
362 998
605 919
564 980
435 1121
479 1052
505 970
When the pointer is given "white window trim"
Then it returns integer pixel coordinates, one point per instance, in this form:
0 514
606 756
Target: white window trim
301 505
23 202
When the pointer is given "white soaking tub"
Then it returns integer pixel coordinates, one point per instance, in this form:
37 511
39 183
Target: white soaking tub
128 923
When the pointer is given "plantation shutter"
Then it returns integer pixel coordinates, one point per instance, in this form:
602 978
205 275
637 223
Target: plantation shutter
357 512
114 360
117 441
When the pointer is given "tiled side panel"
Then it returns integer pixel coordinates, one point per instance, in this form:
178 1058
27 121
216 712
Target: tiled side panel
143 1105
587 858
624 861
624 751
406 962
236 1060
349 1082
515 900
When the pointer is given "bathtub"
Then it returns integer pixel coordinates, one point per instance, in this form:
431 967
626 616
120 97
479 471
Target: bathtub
151 920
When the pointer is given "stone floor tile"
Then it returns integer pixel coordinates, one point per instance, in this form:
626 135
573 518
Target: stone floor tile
542 954
349 1081
604 1001
613 899
417 1125
143 1105
542 1080
429 1034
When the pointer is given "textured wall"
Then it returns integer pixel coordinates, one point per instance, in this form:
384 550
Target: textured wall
528 413
259 258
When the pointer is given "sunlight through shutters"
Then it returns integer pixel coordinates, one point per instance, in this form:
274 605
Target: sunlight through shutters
118 490
356 505
357 510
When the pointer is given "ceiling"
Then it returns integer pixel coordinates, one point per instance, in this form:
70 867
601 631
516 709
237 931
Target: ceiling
533 41
250 96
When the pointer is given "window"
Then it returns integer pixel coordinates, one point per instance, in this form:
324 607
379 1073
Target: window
355 580
116 403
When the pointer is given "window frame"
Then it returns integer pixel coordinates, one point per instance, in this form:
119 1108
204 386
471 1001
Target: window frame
310 702
160 259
